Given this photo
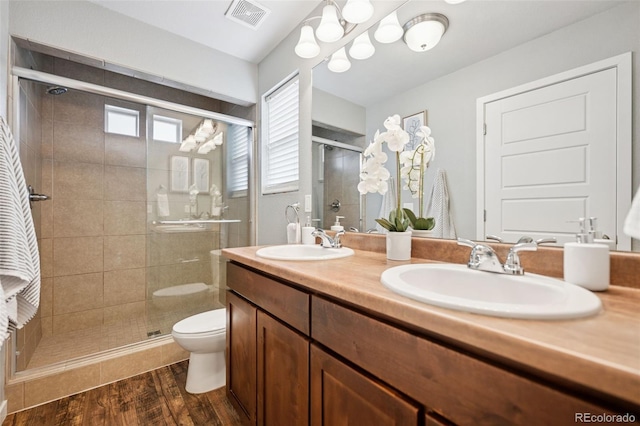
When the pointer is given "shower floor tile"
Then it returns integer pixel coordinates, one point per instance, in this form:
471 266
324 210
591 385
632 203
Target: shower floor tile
75 344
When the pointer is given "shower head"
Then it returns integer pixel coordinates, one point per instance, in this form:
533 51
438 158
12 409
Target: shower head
56 90
328 147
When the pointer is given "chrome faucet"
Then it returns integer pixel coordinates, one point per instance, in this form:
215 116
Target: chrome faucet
327 241
484 258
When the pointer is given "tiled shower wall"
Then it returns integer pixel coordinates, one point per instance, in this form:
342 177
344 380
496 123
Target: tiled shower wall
93 230
95 245
29 140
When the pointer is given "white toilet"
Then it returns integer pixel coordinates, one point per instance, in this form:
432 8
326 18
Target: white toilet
204 335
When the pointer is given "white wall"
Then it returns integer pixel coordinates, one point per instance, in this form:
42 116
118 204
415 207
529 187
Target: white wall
451 100
4 52
4 64
90 30
279 64
337 112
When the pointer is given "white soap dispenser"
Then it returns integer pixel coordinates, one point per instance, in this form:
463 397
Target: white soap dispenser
586 263
336 226
307 229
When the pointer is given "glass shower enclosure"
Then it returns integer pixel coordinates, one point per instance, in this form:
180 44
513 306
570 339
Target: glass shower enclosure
144 194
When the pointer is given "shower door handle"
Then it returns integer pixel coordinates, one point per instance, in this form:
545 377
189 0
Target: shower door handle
36 197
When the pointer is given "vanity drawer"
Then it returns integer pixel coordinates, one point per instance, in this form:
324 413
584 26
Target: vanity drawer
458 387
286 303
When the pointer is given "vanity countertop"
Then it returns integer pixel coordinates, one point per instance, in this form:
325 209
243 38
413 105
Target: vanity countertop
601 353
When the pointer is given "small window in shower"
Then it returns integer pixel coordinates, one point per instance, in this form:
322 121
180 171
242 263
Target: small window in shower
122 121
166 129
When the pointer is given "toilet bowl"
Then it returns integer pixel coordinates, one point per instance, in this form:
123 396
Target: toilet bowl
204 335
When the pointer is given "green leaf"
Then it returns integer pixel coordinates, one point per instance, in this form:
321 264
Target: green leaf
423 223
411 216
385 224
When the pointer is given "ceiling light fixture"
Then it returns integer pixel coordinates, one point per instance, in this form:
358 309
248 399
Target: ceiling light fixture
362 47
339 61
357 11
423 32
201 136
389 29
454 1
334 24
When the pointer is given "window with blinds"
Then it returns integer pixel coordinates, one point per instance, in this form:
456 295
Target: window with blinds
238 143
280 146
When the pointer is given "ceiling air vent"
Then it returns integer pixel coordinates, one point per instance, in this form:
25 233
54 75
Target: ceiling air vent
248 13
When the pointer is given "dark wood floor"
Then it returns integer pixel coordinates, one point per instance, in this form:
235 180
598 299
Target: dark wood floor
154 398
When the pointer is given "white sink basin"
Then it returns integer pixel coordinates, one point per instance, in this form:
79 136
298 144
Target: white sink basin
303 252
528 296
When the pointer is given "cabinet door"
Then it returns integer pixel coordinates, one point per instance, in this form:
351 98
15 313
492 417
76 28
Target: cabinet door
283 374
241 357
342 396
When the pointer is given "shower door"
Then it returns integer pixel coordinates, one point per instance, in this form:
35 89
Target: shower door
127 246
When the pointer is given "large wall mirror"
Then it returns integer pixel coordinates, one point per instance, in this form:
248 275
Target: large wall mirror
489 47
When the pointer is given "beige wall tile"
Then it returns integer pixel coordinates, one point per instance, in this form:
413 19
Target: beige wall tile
78 107
77 218
62 384
124 286
124 252
47 326
79 255
46 297
46 218
125 217
46 179
78 71
124 312
75 293
46 257
77 321
79 181
125 183
46 147
120 150
82 142
15 397
130 365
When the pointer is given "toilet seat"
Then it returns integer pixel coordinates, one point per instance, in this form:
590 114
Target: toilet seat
206 323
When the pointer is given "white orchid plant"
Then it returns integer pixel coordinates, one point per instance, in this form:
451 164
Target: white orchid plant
410 167
414 165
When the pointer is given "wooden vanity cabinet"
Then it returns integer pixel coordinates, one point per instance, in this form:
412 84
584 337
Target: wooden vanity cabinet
267 358
340 395
296 358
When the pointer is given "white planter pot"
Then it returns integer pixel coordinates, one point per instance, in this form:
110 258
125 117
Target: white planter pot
399 245
422 233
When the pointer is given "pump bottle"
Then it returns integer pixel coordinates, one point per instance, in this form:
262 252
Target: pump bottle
586 263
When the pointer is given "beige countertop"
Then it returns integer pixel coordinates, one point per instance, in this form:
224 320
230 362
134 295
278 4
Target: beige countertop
601 353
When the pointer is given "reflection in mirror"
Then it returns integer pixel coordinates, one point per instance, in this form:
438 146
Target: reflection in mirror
336 172
521 42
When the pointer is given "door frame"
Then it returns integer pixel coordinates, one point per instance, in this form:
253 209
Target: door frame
624 127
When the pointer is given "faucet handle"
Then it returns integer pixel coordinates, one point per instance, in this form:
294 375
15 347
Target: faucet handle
465 242
512 265
336 239
546 240
494 238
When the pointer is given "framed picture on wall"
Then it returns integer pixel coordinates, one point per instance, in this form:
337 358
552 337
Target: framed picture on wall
201 174
179 173
411 125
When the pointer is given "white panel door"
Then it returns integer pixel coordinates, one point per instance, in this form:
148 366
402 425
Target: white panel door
550 158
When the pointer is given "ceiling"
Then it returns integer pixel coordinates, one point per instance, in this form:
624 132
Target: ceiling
477 30
203 21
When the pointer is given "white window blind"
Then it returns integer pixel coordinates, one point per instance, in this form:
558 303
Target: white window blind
238 160
280 149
